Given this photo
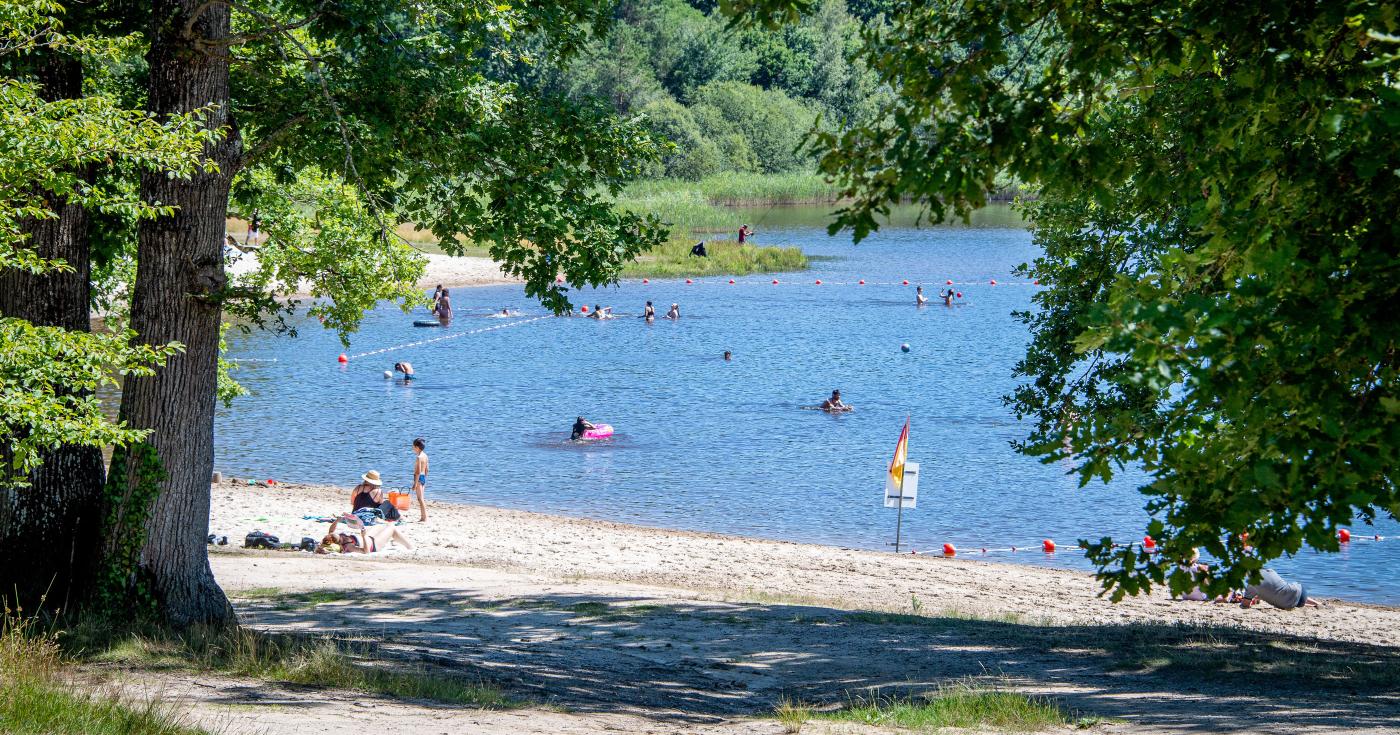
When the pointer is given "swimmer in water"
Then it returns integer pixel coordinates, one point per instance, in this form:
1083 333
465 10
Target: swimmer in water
580 426
728 356
599 312
834 404
947 296
649 312
406 368
675 312
919 297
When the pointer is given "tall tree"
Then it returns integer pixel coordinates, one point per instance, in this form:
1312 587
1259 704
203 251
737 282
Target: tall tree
51 426
1216 183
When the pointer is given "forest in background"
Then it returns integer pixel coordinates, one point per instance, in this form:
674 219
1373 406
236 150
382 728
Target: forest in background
729 99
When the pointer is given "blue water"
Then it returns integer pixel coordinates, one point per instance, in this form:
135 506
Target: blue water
708 445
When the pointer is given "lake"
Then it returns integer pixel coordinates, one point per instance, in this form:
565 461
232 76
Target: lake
729 447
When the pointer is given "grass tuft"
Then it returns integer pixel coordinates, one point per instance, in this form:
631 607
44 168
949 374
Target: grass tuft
35 696
963 705
792 714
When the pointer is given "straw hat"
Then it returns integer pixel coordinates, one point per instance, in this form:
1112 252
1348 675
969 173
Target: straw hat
372 477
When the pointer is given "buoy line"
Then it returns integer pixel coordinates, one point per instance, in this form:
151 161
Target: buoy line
421 342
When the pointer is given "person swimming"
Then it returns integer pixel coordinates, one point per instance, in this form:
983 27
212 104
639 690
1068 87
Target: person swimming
675 312
834 403
728 356
919 297
580 426
601 312
649 312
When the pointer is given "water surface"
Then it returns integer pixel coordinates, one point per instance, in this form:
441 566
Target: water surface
709 445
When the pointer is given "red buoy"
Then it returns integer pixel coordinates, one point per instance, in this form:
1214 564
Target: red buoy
819 281
1148 543
688 281
906 283
1036 282
731 281
960 294
948 282
1048 546
645 281
1344 535
583 309
775 281
949 550
558 279
862 281
994 281
342 358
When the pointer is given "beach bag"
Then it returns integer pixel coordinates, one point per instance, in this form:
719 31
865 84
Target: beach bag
260 540
389 511
399 501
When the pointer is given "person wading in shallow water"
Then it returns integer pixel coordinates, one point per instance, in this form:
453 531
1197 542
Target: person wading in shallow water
420 476
744 234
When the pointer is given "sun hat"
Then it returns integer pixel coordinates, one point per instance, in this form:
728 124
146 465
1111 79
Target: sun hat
372 477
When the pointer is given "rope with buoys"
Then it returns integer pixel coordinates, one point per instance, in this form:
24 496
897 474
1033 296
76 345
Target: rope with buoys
431 340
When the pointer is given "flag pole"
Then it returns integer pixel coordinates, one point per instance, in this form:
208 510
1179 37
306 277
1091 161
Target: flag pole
899 514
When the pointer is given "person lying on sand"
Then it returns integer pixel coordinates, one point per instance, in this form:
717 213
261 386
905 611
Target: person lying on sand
367 541
1276 591
834 404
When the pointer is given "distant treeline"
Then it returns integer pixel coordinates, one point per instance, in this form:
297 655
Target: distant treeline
737 100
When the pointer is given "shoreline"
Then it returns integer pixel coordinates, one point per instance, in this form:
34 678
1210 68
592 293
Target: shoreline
717 565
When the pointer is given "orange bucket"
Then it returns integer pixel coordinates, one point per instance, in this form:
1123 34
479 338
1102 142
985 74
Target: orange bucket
400 500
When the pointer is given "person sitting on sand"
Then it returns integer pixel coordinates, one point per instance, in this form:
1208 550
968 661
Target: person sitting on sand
675 312
367 541
649 312
406 368
919 297
443 310
1194 567
1276 591
580 426
834 404
369 496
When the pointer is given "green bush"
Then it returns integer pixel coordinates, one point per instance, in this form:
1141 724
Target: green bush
772 123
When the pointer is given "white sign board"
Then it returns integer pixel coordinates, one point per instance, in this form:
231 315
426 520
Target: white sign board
911 487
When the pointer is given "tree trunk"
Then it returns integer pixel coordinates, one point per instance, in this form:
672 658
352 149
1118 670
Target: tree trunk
179 278
49 536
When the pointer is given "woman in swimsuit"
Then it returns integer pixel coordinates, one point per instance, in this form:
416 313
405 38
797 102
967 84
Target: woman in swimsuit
649 313
369 540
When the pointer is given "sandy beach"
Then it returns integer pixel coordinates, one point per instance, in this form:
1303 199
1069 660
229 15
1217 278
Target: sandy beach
448 270
612 627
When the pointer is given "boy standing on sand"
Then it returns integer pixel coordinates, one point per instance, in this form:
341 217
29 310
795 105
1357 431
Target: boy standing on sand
420 476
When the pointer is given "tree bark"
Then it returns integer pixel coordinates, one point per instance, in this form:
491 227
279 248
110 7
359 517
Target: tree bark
49 539
179 279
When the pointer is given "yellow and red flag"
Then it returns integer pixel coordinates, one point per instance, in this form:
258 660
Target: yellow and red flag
901 453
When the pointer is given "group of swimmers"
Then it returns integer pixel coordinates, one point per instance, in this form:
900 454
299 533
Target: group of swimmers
648 312
947 296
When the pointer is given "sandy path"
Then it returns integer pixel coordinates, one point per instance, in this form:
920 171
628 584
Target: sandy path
613 628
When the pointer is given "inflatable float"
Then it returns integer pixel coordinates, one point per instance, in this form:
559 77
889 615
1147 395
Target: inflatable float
600 431
426 323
